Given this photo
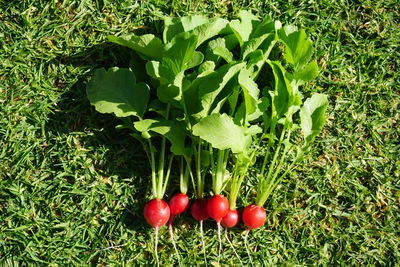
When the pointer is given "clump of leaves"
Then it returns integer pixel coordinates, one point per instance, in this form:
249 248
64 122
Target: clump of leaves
218 90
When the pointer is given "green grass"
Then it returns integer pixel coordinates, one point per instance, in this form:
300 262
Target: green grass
71 186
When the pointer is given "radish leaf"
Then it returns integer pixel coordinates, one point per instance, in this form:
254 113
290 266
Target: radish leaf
244 27
282 97
174 131
174 26
221 132
250 90
147 45
116 91
307 73
298 47
211 85
312 116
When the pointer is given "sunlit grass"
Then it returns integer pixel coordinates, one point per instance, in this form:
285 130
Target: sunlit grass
72 187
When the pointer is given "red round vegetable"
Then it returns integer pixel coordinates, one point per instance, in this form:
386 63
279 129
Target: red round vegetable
254 216
178 204
199 210
217 207
156 212
230 219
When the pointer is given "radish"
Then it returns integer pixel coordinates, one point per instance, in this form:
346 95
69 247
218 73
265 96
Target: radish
254 216
199 210
178 204
230 219
217 207
156 213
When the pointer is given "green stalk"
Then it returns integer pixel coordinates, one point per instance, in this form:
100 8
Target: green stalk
272 182
167 175
271 142
153 170
160 186
237 180
235 186
200 181
161 169
218 178
184 181
280 164
288 169
263 193
212 163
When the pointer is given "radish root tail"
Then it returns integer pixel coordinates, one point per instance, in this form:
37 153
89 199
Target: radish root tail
155 246
220 241
171 232
202 242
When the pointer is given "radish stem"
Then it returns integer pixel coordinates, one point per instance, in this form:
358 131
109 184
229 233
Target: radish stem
247 246
171 232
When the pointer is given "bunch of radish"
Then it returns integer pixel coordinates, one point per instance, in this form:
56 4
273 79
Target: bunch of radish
206 101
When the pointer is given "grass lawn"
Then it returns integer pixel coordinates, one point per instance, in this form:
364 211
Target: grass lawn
72 187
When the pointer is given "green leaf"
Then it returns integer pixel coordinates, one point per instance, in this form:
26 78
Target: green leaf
211 85
174 131
217 48
175 26
298 47
229 89
245 26
206 68
171 92
178 53
147 44
201 27
255 57
157 106
208 30
137 65
197 59
282 96
221 132
306 74
250 90
253 44
153 69
115 91
266 26
262 106
312 116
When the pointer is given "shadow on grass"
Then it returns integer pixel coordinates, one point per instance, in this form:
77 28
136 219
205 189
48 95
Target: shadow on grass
120 155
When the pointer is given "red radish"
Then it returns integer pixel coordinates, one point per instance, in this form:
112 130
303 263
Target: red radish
217 207
156 212
199 210
230 219
254 216
178 204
